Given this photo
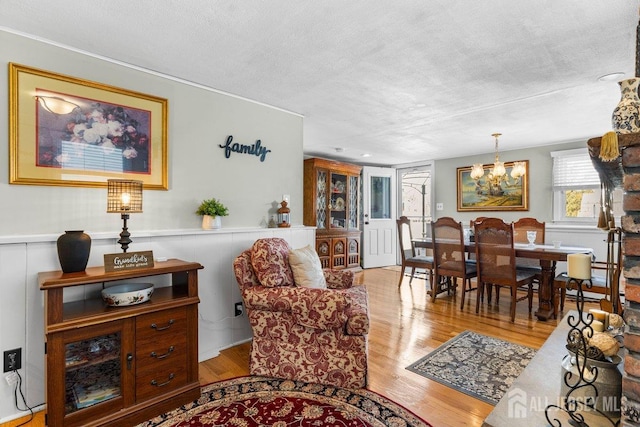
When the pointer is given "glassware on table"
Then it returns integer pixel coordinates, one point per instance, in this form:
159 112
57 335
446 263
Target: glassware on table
531 237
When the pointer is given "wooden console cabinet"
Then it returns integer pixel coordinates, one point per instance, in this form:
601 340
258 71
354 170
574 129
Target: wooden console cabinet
120 365
332 205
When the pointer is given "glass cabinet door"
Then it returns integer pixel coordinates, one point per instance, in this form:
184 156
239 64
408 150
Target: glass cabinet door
92 371
339 201
352 204
322 199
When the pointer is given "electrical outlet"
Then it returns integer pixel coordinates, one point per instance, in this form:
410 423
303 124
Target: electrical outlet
12 378
12 359
239 309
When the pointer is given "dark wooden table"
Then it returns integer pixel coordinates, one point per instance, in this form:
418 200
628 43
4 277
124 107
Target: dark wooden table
547 255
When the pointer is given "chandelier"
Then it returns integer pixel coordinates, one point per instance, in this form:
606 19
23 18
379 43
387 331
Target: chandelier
498 173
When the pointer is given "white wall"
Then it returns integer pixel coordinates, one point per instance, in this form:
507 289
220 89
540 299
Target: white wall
199 120
540 192
31 217
540 197
22 305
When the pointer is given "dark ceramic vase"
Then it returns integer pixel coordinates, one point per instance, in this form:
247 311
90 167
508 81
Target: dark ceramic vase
73 251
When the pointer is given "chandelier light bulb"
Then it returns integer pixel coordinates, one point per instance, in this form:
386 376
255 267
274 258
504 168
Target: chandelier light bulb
518 170
498 169
477 171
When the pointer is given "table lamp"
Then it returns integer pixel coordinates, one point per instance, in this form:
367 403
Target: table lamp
124 197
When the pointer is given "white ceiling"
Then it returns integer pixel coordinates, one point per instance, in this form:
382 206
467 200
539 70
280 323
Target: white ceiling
404 80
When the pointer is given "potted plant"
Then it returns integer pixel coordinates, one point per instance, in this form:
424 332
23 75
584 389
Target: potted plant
212 210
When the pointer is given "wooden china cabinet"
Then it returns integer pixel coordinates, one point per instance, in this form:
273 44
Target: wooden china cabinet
117 366
332 205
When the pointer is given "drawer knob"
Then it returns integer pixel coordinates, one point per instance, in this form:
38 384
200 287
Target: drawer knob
162 356
164 328
155 383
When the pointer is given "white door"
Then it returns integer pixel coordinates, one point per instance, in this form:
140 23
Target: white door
379 213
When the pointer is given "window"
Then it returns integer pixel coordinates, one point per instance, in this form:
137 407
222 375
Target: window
380 197
576 188
415 203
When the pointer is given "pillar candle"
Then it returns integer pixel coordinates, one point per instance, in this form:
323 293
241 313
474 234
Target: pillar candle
597 326
579 266
600 316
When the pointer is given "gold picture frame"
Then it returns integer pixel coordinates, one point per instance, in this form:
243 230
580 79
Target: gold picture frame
509 194
71 132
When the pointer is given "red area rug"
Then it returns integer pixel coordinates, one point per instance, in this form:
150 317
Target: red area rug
260 401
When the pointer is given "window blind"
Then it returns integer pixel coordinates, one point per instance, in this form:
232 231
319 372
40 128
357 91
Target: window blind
573 169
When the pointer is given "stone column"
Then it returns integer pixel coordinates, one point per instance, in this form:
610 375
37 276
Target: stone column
627 171
631 273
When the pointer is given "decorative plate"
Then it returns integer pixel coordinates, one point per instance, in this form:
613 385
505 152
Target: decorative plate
339 187
127 294
339 206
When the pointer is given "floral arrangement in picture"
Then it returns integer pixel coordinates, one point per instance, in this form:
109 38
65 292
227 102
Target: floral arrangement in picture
96 137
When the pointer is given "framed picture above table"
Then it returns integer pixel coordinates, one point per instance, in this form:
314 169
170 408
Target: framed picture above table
489 193
72 132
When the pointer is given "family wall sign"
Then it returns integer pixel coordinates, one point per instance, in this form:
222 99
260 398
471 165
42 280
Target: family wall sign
256 149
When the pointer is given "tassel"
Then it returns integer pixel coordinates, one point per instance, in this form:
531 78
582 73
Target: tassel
602 220
609 147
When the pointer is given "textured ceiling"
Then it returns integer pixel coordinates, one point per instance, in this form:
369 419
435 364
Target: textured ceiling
404 81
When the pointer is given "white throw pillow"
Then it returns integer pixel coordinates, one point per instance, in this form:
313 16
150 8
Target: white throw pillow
307 270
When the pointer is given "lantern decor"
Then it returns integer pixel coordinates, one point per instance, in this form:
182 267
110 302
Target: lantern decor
283 215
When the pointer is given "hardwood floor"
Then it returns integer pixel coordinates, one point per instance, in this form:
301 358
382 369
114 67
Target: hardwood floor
406 325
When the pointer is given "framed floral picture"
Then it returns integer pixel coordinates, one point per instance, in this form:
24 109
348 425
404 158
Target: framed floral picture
73 132
510 192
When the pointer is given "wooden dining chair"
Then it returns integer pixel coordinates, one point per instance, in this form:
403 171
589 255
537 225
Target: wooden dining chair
408 252
449 259
520 228
605 278
471 256
496 262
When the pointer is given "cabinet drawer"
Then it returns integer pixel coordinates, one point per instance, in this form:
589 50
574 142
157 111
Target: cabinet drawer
161 325
160 381
156 354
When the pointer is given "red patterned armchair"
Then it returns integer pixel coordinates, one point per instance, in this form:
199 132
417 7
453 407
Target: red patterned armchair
302 333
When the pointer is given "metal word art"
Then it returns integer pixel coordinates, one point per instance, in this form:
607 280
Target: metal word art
256 149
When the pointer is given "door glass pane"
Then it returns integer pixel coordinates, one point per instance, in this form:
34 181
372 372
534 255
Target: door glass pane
92 371
416 199
380 197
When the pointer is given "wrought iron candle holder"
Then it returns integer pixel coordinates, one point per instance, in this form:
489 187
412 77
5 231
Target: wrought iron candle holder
583 393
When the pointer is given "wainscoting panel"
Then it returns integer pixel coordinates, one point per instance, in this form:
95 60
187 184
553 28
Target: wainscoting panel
22 304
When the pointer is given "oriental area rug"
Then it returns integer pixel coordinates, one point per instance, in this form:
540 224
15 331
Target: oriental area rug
475 364
260 401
